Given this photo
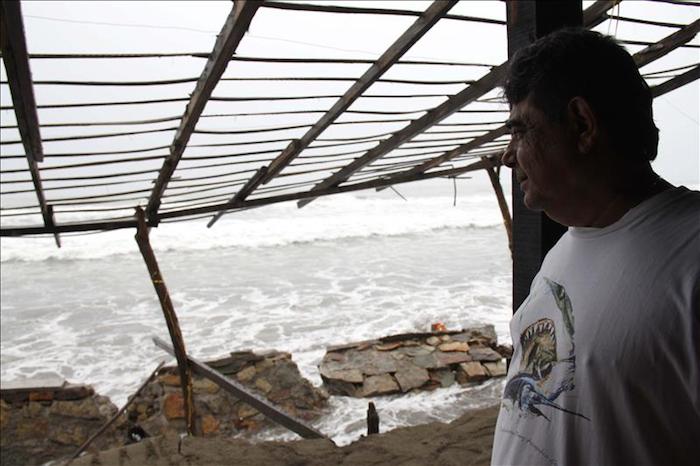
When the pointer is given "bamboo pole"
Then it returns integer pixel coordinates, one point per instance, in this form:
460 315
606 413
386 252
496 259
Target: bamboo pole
106 425
170 317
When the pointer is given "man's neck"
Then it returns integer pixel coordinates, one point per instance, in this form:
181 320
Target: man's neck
637 185
615 195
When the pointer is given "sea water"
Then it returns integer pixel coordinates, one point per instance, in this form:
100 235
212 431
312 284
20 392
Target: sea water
343 269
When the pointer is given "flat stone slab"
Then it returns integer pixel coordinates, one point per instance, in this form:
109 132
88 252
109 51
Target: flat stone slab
411 377
412 361
471 372
379 385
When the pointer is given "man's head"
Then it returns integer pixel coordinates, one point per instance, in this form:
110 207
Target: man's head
575 62
580 111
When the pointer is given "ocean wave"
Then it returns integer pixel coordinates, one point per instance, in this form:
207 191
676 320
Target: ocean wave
337 219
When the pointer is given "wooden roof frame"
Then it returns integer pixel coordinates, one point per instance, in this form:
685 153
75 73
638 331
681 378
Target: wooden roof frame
231 34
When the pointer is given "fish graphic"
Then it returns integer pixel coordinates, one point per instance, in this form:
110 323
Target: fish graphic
539 357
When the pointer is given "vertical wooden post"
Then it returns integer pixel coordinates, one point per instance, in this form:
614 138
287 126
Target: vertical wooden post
170 316
502 204
372 419
533 232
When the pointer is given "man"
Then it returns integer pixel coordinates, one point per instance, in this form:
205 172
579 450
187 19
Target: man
606 363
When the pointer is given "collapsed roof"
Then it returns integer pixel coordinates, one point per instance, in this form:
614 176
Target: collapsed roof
257 129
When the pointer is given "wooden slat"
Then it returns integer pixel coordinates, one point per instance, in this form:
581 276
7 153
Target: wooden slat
667 44
244 394
230 36
674 83
594 15
170 317
373 11
417 30
19 77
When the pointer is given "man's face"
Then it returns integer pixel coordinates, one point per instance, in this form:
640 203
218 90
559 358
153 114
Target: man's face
542 154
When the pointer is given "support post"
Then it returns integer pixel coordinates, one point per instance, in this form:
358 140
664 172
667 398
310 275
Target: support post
534 233
372 419
502 204
170 317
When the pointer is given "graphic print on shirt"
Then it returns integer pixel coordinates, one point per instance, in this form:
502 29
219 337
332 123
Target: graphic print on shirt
542 375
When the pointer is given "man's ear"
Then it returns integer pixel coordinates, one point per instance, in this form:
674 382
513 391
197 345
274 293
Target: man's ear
584 123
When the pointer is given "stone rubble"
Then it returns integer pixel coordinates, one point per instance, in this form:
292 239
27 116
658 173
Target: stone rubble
160 409
401 363
42 421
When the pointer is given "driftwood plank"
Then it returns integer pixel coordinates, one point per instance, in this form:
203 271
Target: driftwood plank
230 36
242 393
170 317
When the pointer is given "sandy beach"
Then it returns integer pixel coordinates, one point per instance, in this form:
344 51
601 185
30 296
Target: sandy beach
465 441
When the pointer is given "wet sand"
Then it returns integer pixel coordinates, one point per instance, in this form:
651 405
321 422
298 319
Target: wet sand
465 441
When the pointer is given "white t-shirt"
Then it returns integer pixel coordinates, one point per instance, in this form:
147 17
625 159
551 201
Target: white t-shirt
606 362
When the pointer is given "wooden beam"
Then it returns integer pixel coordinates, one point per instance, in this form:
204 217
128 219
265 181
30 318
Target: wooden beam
230 36
19 78
594 16
170 317
241 194
417 30
241 392
674 83
667 44
533 232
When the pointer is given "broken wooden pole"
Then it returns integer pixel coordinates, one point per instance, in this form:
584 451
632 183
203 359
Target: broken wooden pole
372 419
170 317
106 425
505 212
270 411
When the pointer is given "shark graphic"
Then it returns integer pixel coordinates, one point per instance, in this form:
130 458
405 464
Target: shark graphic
539 357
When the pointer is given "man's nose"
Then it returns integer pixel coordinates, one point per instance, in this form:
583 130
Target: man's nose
508 157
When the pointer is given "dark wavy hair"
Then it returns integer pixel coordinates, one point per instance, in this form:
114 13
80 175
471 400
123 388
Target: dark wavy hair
576 62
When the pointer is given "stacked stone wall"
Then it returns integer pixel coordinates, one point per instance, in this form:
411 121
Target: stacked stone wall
401 363
38 425
159 409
